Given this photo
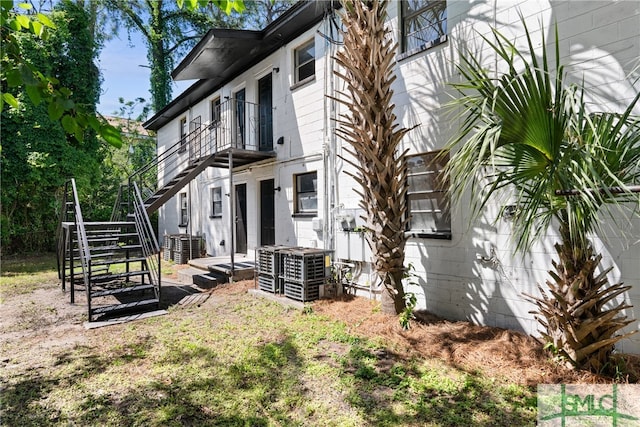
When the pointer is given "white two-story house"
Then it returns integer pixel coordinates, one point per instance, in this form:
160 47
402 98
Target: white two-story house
267 168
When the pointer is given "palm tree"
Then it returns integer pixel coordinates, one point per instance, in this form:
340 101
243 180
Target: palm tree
366 62
531 133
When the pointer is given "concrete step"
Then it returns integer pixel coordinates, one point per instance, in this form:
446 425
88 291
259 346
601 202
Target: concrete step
202 278
185 275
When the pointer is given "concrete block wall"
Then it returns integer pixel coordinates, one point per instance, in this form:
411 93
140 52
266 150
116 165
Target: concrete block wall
601 42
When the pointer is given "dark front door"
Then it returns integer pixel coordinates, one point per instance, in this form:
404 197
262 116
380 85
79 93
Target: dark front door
241 218
240 98
265 102
267 213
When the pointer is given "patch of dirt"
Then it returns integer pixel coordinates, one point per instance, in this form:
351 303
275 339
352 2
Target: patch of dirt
32 324
497 352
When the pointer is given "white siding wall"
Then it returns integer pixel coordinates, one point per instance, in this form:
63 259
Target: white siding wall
602 42
298 119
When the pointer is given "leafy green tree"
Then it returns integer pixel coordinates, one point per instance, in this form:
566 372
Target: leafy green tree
138 149
171 27
39 154
531 133
18 73
168 31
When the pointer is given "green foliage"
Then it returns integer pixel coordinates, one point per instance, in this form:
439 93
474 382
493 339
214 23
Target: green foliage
39 154
20 74
228 6
405 317
407 314
531 132
118 164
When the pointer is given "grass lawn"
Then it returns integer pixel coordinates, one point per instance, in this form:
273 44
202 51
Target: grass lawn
233 360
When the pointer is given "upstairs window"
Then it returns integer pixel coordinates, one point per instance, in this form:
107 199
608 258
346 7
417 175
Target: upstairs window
216 202
183 134
215 112
306 190
424 24
427 198
305 60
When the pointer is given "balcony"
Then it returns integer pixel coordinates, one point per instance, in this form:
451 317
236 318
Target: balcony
240 133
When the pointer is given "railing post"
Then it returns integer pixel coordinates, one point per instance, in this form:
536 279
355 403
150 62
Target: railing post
71 267
232 212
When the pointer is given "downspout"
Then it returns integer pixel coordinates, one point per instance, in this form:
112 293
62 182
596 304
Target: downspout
326 151
190 224
329 146
232 216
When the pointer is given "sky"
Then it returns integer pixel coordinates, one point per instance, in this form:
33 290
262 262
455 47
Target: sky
120 64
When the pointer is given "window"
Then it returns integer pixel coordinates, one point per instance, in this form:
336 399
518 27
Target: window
305 62
424 24
215 112
183 134
216 202
214 125
184 210
306 190
427 198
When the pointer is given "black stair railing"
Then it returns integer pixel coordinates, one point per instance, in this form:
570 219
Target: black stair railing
121 205
61 237
148 240
66 249
236 124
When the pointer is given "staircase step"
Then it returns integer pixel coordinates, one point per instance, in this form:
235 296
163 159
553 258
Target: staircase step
117 261
78 277
121 291
205 281
93 270
114 248
97 256
103 238
110 231
121 307
109 277
108 224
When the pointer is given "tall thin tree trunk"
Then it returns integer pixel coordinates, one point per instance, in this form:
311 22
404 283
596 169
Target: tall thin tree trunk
367 61
160 62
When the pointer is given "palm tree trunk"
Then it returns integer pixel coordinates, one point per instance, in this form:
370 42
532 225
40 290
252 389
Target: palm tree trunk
579 312
367 60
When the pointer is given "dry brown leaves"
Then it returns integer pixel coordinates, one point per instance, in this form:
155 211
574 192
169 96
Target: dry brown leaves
498 353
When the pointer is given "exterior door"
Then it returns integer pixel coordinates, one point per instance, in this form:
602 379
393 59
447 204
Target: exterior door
265 105
241 218
195 147
240 113
267 213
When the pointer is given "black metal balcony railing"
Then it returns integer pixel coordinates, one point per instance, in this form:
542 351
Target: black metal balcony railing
235 125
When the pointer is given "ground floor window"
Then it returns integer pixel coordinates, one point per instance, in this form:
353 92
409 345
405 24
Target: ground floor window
216 202
184 210
306 193
427 199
